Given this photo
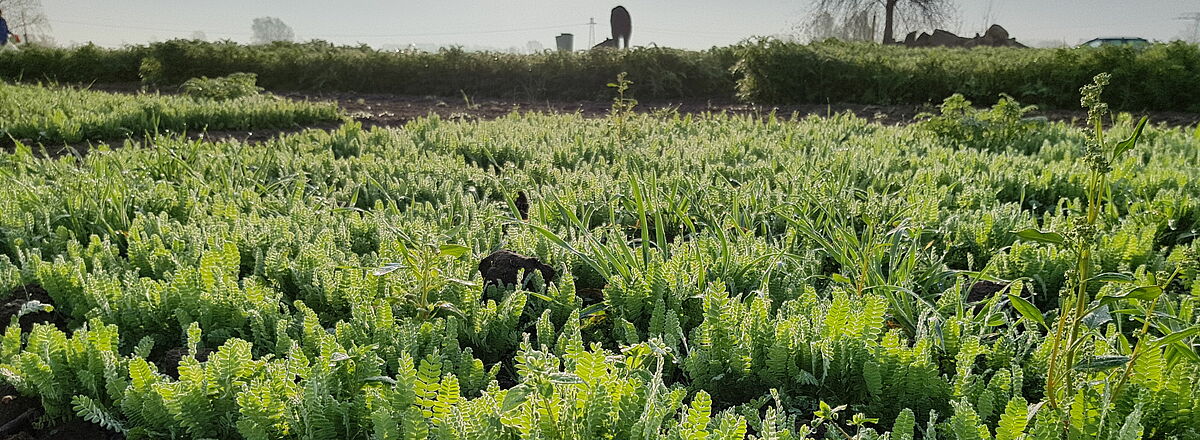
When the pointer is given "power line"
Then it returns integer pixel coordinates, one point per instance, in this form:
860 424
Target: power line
1194 17
591 31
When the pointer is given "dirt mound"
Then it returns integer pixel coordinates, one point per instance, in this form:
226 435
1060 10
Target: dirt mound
995 36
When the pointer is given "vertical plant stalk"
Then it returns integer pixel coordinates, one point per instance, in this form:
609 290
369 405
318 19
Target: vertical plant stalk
1099 159
1083 234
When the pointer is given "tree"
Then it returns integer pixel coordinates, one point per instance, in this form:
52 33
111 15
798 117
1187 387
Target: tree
859 26
271 29
910 12
26 18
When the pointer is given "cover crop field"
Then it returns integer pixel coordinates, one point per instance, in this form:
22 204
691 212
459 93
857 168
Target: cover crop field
61 114
977 275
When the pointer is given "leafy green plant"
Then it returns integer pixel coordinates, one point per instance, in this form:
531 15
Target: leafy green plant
1002 127
424 265
621 106
1070 368
723 276
234 85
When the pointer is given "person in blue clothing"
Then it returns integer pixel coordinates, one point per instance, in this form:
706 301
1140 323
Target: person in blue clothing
4 32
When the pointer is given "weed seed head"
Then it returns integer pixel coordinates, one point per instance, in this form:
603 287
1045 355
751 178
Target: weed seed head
1090 98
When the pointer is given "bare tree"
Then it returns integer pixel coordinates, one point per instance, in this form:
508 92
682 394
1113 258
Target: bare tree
908 12
271 29
26 18
859 26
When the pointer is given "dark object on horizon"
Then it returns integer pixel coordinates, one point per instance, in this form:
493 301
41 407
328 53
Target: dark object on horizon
501 267
522 203
995 36
1134 42
609 43
565 42
622 27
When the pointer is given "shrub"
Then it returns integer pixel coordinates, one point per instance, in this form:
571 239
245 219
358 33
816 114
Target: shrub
235 85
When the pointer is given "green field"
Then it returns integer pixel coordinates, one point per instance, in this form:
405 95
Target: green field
975 276
57 115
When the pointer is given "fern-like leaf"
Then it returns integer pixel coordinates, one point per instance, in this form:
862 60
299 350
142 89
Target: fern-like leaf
92 411
1013 421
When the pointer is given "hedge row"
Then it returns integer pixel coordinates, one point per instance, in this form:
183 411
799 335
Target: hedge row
1162 77
661 73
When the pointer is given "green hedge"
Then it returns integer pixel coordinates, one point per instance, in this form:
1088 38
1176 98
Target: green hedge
660 73
83 64
1162 77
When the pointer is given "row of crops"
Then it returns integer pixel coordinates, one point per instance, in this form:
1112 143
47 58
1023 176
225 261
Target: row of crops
56 115
975 276
1161 77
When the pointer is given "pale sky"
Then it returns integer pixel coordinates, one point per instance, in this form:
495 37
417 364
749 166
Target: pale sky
695 24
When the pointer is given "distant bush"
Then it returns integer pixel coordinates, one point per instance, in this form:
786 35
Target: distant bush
236 85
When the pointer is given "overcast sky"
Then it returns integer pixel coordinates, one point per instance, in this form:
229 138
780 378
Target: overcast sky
694 24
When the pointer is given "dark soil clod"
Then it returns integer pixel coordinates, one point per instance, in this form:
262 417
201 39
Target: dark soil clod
590 295
78 429
17 414
982 290
501 267
523 205
168 363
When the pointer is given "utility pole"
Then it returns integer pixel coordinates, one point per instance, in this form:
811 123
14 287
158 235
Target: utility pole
591 31
1194 17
